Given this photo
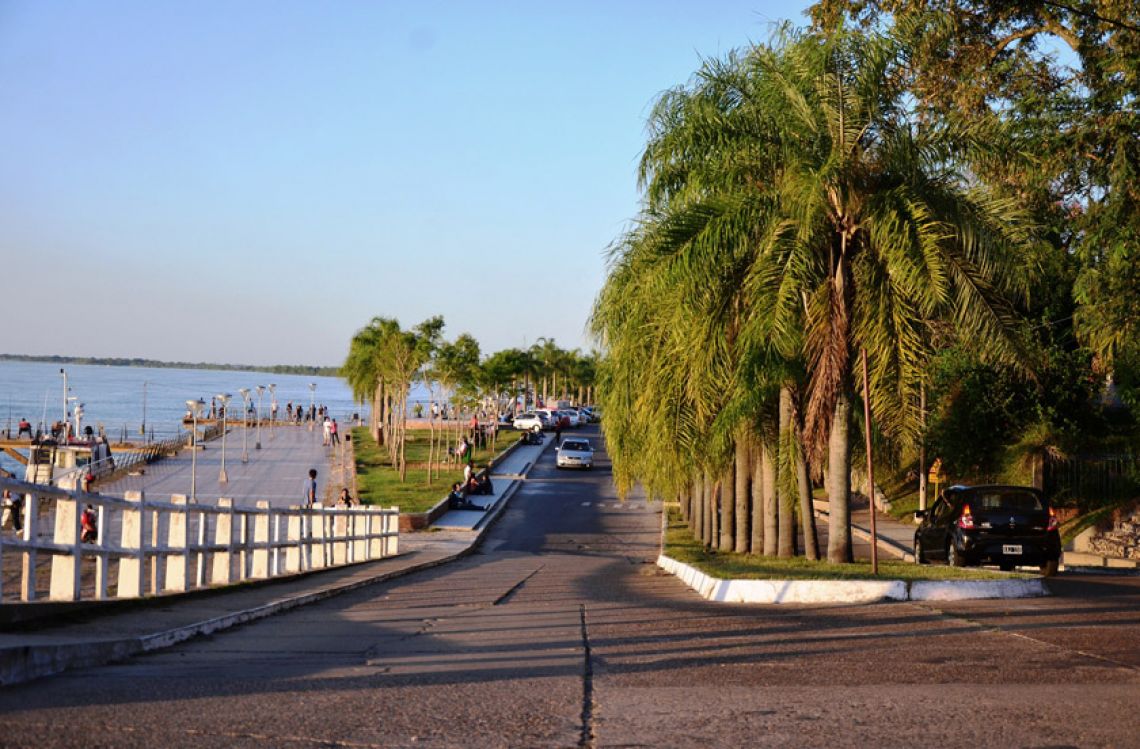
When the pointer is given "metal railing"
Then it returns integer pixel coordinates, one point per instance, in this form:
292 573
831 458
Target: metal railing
177 546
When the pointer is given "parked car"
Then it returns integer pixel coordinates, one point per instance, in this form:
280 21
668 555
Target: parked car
528 421
549 418
572 418
575 453
585 415
1010 526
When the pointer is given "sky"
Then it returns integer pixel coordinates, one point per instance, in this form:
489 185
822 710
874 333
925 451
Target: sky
252 182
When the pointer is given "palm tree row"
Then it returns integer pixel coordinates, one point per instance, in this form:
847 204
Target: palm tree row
794 216
384 361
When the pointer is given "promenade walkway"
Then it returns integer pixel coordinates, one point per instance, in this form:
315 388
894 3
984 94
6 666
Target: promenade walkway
276 473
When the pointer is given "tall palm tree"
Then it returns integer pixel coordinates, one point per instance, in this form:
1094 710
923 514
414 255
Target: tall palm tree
795 213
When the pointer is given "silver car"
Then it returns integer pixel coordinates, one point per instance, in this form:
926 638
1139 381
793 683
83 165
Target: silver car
575 453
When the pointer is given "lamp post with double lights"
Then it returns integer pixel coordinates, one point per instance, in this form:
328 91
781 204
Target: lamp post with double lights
260 389
195 408
244 424
223 401
312 404
272 408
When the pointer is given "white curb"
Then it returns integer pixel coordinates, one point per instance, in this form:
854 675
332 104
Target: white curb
845 591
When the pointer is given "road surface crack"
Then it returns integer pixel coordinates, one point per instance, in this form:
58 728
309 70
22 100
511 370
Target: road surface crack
506 597
586 741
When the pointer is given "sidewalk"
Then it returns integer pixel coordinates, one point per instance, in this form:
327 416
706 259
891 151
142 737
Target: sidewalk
895 538
100 632
505 478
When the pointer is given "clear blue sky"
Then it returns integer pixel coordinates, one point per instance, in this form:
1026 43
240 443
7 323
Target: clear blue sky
253 181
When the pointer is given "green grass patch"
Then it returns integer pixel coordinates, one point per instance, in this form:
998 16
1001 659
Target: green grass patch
378 482
680 545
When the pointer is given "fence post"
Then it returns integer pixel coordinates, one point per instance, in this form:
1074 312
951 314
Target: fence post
221 562
317 517
131 568
261 537
357 522
31 533
101 557
66 569
340 536
392 532
293 538
177 536
203 535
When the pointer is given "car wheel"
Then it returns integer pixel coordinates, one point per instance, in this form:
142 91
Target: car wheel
953 556
919 554
1048 569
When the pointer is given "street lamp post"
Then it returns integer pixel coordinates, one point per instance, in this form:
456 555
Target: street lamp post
260 389
223 400
195 408
272 408
312 404
244 424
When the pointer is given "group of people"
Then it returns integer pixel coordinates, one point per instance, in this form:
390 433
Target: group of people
331 431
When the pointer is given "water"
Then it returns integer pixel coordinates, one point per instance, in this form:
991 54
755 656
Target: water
112 397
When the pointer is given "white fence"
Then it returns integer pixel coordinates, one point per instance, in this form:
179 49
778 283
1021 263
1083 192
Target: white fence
144 547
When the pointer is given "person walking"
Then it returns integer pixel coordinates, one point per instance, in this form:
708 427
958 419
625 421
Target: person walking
326 427
334 432
311 489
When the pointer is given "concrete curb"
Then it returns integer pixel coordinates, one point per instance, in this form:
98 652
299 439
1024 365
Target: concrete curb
846 591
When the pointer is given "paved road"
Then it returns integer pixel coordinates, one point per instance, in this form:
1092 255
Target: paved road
560 632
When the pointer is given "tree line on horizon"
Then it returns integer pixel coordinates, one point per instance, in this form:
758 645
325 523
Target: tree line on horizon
299 369
926 188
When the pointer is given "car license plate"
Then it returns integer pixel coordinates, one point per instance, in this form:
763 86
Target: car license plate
1011 549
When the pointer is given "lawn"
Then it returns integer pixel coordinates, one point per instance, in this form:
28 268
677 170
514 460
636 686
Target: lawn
679 545
378 483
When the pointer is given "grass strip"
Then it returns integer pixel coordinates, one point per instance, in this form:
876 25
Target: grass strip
378 481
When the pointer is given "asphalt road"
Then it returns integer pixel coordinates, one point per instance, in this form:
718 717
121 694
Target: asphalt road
561 632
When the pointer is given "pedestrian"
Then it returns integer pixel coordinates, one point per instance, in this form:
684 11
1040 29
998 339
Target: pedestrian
334 432
289 411
14 508
311 489
25 426
558 433
87 521
345 498
273 411
326 428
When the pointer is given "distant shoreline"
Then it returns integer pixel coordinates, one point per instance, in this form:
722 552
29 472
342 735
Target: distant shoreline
298 369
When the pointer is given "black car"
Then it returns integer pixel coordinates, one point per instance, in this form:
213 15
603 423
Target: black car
1010 526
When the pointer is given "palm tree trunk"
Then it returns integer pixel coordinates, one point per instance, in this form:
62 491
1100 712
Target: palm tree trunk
742 505
728 510
786 481
707 499
757 546
839 483
807 507
698 516
771 499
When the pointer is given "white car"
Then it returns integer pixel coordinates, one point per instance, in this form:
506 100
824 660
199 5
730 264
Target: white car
528 421
571 416
575 453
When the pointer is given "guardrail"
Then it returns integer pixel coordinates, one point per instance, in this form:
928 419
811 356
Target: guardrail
177 546
120 463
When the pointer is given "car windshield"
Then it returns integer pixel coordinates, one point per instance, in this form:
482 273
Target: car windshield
582 446
1014 501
